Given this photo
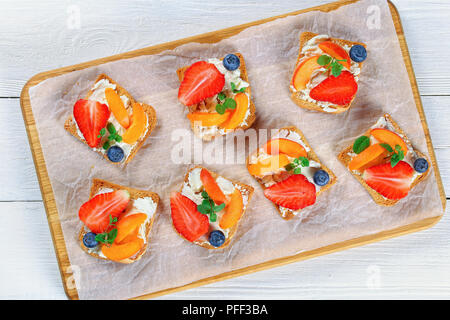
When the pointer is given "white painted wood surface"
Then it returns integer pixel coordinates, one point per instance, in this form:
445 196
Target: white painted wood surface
35 37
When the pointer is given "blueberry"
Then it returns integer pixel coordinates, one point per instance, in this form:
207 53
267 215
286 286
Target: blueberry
216 238
89 240
231 62
115 154
321 178
421 165
358 53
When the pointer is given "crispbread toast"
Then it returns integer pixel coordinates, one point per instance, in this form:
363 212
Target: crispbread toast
71 126
345 158
97 184
312 156
297 96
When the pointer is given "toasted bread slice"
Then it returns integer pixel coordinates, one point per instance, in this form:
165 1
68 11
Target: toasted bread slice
71 126
246 191
251 117
98 184
296 96
289 214
345 158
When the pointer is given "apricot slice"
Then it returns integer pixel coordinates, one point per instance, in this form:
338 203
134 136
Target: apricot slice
268 165
371 156
286 146
128 224
137 128
207 119
303 73
337 52
389 137
117 107
211 187
131 236
238 114
117 252
234 210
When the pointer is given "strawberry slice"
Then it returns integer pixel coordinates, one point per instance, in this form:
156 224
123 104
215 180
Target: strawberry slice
91 117
95 213
190 223
392 183
338 90
294 193
201 80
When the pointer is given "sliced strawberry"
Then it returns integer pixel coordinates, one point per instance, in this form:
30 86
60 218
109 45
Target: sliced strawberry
392 183
91 117
201 80
190 223
95 213
338 90
294 193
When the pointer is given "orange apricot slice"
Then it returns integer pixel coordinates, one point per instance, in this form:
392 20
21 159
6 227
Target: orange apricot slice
268 165
207 119
389 137
373 155
117 252
234 210
286 146
303 73
238 114
117 107
137 128
337 52
211 187
131 236
128 224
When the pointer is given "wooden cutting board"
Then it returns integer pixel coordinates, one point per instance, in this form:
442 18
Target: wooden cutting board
68 274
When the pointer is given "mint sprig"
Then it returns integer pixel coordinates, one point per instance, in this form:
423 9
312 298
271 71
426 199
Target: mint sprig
296 165
102 133
229 103
113 136
331 63
233 88
397 154
108 237
208 207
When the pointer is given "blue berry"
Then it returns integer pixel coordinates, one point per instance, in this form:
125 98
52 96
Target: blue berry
321 178
421 165
231 62
358 53
115 154
216 238
89 240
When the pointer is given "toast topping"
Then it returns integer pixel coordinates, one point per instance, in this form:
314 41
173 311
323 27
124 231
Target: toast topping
216 95
385 159
281 158
118 123
117 222
318 73
218 199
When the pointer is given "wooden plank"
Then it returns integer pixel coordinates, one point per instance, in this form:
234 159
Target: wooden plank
45 40
208 38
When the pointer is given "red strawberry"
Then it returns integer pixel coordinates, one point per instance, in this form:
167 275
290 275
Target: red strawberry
392 183
201 80
91 117
338 90
190 223
95 213
294 193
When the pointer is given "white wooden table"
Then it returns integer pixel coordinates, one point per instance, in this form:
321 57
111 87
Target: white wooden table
41 35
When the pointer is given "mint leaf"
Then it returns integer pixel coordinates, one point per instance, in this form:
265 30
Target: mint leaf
387 147
117 138
229 103
323 60
398 148
336 69
220 108
297 170
219 208
289 167
106 145
213 217
233 86
111 128
102 133
361 144
304 161
221 96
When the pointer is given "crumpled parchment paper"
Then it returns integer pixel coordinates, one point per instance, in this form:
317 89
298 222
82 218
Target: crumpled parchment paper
345 211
